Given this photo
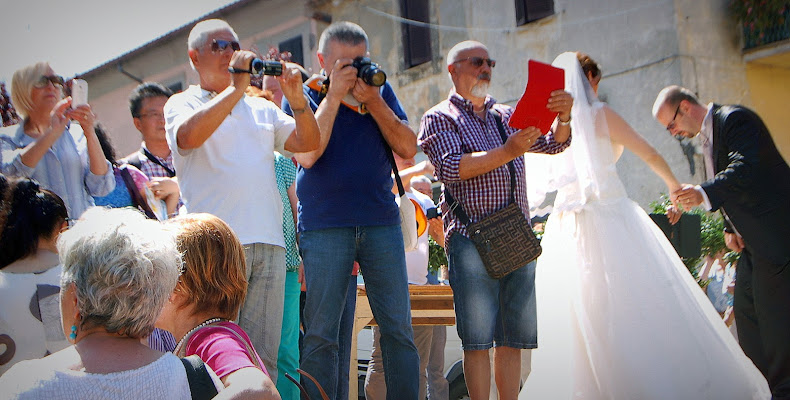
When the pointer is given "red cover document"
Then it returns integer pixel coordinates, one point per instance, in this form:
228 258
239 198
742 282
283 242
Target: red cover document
531 109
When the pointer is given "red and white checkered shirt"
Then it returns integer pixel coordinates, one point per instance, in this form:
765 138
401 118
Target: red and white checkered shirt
152 169
451 129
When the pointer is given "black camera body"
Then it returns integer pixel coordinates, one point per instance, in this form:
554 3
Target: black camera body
266 67
433 212
369 71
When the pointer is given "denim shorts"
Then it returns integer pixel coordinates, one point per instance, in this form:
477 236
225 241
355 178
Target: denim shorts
491 312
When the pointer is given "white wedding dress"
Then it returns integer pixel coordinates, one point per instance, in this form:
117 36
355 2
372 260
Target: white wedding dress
619 315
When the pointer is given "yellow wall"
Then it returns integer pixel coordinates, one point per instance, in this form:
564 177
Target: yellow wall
770 91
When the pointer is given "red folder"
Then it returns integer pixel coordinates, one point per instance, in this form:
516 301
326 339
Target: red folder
531 108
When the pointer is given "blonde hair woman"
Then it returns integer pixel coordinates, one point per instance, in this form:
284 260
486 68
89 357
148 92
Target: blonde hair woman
46 147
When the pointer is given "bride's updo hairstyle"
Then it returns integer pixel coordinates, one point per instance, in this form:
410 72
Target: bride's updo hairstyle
588 65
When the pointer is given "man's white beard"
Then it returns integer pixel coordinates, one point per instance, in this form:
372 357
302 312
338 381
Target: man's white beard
480 89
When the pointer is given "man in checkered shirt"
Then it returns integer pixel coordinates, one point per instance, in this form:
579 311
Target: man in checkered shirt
462 140
154 159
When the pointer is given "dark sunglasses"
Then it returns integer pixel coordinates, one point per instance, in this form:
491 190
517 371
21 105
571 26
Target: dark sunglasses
220 45
45 80
478 61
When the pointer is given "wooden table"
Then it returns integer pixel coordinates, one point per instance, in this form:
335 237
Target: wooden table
430 305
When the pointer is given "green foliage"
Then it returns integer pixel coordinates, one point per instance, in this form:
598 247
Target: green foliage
711 232
436 256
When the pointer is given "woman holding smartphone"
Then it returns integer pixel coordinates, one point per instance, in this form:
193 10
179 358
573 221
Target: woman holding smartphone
46 147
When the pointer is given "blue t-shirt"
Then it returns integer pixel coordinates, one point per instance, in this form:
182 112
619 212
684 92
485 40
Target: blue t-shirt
119 197
350 185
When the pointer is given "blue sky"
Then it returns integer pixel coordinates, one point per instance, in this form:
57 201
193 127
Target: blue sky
76 36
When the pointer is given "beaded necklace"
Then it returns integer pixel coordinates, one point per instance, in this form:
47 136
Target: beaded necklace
195 329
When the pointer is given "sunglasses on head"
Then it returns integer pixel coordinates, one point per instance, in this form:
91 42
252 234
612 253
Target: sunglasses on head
45 80
221 45
478 61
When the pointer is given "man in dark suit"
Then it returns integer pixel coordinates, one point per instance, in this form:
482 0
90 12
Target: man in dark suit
749 181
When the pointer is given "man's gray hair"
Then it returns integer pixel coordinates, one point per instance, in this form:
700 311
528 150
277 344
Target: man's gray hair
672 96
452 55
123 267
199 33
343 32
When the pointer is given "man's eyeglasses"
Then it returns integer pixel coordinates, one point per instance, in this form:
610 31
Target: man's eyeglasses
45 80
220 45
671 123
477 62
156 115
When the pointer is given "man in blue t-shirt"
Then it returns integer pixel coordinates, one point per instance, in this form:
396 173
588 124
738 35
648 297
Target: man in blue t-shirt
347 213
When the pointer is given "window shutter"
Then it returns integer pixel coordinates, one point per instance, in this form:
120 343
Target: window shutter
533 10
294 45
416 39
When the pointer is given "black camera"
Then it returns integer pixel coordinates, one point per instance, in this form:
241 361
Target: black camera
433 212
369 71
266 67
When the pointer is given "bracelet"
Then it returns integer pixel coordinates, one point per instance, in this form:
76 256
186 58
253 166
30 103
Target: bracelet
299 111
564 123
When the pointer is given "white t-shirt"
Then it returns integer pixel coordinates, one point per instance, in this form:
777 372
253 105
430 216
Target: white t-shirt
164 378
417 259
30 325
231 175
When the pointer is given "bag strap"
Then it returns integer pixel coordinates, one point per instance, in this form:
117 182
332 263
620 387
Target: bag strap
200 383
455 206
391 157
155 160
137 198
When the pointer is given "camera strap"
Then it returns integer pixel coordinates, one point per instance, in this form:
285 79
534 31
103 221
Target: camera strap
320 84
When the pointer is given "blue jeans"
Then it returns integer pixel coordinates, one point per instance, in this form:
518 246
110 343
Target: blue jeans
345 337
491 312
328 256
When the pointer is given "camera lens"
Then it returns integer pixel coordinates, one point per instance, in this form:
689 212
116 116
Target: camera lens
266 67
369 71
372 75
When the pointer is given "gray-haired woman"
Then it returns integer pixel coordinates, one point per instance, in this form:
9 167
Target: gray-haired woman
118 271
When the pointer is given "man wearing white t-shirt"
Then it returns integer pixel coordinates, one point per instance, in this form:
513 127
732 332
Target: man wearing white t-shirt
223 145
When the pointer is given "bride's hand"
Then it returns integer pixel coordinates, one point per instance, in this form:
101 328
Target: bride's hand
673 214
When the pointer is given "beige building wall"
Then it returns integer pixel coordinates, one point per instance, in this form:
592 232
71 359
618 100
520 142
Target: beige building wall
770 95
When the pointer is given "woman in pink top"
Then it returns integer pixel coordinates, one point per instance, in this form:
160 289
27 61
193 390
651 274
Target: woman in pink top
206 299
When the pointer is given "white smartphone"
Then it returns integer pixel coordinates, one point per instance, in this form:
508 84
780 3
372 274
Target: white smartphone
79 92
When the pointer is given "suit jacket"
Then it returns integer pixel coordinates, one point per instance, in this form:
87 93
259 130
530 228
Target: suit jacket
752 182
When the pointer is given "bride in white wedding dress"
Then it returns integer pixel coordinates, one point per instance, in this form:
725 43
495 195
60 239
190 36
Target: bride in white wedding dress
619 315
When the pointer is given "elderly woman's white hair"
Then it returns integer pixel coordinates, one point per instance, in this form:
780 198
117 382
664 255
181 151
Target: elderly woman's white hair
22 86
123 267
